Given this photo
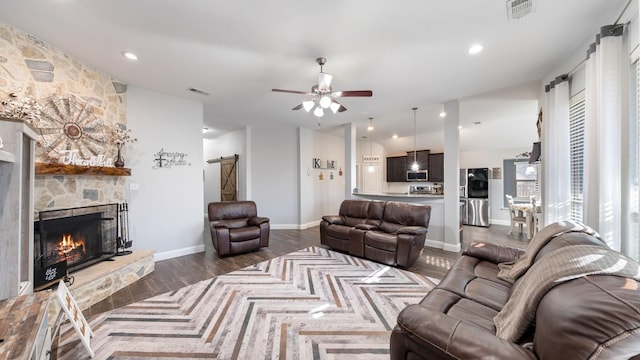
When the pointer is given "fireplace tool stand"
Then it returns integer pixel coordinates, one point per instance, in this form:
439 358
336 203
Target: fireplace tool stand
122 224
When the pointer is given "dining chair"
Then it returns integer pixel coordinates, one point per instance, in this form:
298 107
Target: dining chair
517 216
536 215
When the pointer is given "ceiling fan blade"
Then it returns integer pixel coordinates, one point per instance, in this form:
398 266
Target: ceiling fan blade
290 91
351 93
297 107
341 107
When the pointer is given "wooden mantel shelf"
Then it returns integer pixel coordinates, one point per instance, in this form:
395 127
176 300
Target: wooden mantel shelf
62 169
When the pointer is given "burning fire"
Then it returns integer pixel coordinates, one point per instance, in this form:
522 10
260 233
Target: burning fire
67 245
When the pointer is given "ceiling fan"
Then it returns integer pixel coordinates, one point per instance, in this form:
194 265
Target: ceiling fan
322 96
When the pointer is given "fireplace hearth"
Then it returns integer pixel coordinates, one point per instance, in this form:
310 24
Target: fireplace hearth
68 240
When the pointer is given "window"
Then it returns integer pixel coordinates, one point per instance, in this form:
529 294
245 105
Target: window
520 179
576 154
526 180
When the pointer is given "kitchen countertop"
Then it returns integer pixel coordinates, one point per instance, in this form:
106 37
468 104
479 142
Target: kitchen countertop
401 195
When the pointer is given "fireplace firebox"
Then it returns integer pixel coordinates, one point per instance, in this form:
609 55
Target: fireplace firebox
68 240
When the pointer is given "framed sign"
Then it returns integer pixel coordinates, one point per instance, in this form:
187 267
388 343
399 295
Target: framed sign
74 314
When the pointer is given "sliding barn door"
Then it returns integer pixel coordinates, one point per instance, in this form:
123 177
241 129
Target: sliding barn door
229 179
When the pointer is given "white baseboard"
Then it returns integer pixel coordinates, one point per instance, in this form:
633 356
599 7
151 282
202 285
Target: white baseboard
295 226
178 252
500 222
441 245
452 247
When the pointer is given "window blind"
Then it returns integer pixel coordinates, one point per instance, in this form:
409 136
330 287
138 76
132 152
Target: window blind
576 153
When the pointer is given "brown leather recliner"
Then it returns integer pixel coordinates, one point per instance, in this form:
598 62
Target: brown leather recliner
236 228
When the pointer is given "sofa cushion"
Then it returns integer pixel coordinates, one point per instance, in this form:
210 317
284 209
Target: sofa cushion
598 317
339 231
398 214
460 308
381 240
486 291
244 234
354 211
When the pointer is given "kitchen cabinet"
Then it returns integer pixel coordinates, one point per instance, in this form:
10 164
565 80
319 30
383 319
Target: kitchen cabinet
397 169
422 157
436 167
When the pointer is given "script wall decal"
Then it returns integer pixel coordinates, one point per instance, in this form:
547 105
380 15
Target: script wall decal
165 159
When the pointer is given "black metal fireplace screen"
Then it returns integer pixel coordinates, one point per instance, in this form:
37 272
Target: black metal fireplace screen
68 240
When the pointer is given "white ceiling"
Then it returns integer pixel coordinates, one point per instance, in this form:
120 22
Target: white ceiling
410 53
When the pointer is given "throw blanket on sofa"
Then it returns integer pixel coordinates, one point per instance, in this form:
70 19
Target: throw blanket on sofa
510 271
561 265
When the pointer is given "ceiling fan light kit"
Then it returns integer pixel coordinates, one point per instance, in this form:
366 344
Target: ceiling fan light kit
322 95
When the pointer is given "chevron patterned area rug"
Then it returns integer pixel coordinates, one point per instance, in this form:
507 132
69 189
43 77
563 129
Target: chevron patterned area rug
309 304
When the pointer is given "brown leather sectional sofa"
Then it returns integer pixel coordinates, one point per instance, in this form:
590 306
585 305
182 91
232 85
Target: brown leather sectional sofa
589 317
388 232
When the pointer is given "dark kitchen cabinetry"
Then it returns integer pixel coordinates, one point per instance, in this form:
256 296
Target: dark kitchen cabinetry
397 169
422 157
436 167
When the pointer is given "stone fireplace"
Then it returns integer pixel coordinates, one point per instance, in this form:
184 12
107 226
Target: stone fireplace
67 240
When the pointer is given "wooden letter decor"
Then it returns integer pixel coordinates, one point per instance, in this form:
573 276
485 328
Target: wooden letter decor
74 314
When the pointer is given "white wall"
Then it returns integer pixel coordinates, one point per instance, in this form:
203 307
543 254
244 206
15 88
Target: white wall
320 197
165 214
274 174
225 145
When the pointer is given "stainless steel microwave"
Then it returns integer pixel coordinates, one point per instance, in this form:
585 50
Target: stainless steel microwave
420 175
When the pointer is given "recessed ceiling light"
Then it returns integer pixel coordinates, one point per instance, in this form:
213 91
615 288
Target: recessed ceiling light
205 130
395 136
443 114
459 127
130 55
476 48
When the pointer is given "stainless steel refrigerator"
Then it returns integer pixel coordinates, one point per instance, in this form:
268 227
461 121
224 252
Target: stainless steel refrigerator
477 197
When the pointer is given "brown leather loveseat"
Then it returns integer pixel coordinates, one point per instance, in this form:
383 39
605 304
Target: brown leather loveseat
592 314
391 232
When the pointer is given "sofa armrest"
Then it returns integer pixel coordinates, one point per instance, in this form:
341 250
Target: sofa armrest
425 331
412 230
257 220
333 219
492 252
216 224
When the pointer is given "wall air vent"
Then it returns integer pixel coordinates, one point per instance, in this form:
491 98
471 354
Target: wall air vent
519 8
198 91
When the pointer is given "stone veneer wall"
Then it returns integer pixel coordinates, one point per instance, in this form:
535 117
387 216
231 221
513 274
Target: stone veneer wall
34 68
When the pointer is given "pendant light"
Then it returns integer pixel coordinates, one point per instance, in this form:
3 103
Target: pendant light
370 128
414 166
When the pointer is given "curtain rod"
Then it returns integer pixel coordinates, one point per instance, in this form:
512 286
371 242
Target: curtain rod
615 25
622 13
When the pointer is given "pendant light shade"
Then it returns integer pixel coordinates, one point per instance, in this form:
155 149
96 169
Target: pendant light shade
414 166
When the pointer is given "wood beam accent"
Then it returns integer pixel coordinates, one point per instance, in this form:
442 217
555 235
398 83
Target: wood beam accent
62 169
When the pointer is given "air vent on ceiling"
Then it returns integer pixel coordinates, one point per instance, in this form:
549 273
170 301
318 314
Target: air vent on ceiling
519 8
198 91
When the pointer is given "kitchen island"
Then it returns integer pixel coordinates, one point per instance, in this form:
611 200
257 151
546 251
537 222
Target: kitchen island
435 234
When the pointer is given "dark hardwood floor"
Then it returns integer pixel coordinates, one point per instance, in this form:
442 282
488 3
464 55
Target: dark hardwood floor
177 272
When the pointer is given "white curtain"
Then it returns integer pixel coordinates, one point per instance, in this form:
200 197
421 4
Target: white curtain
555 149
604 93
